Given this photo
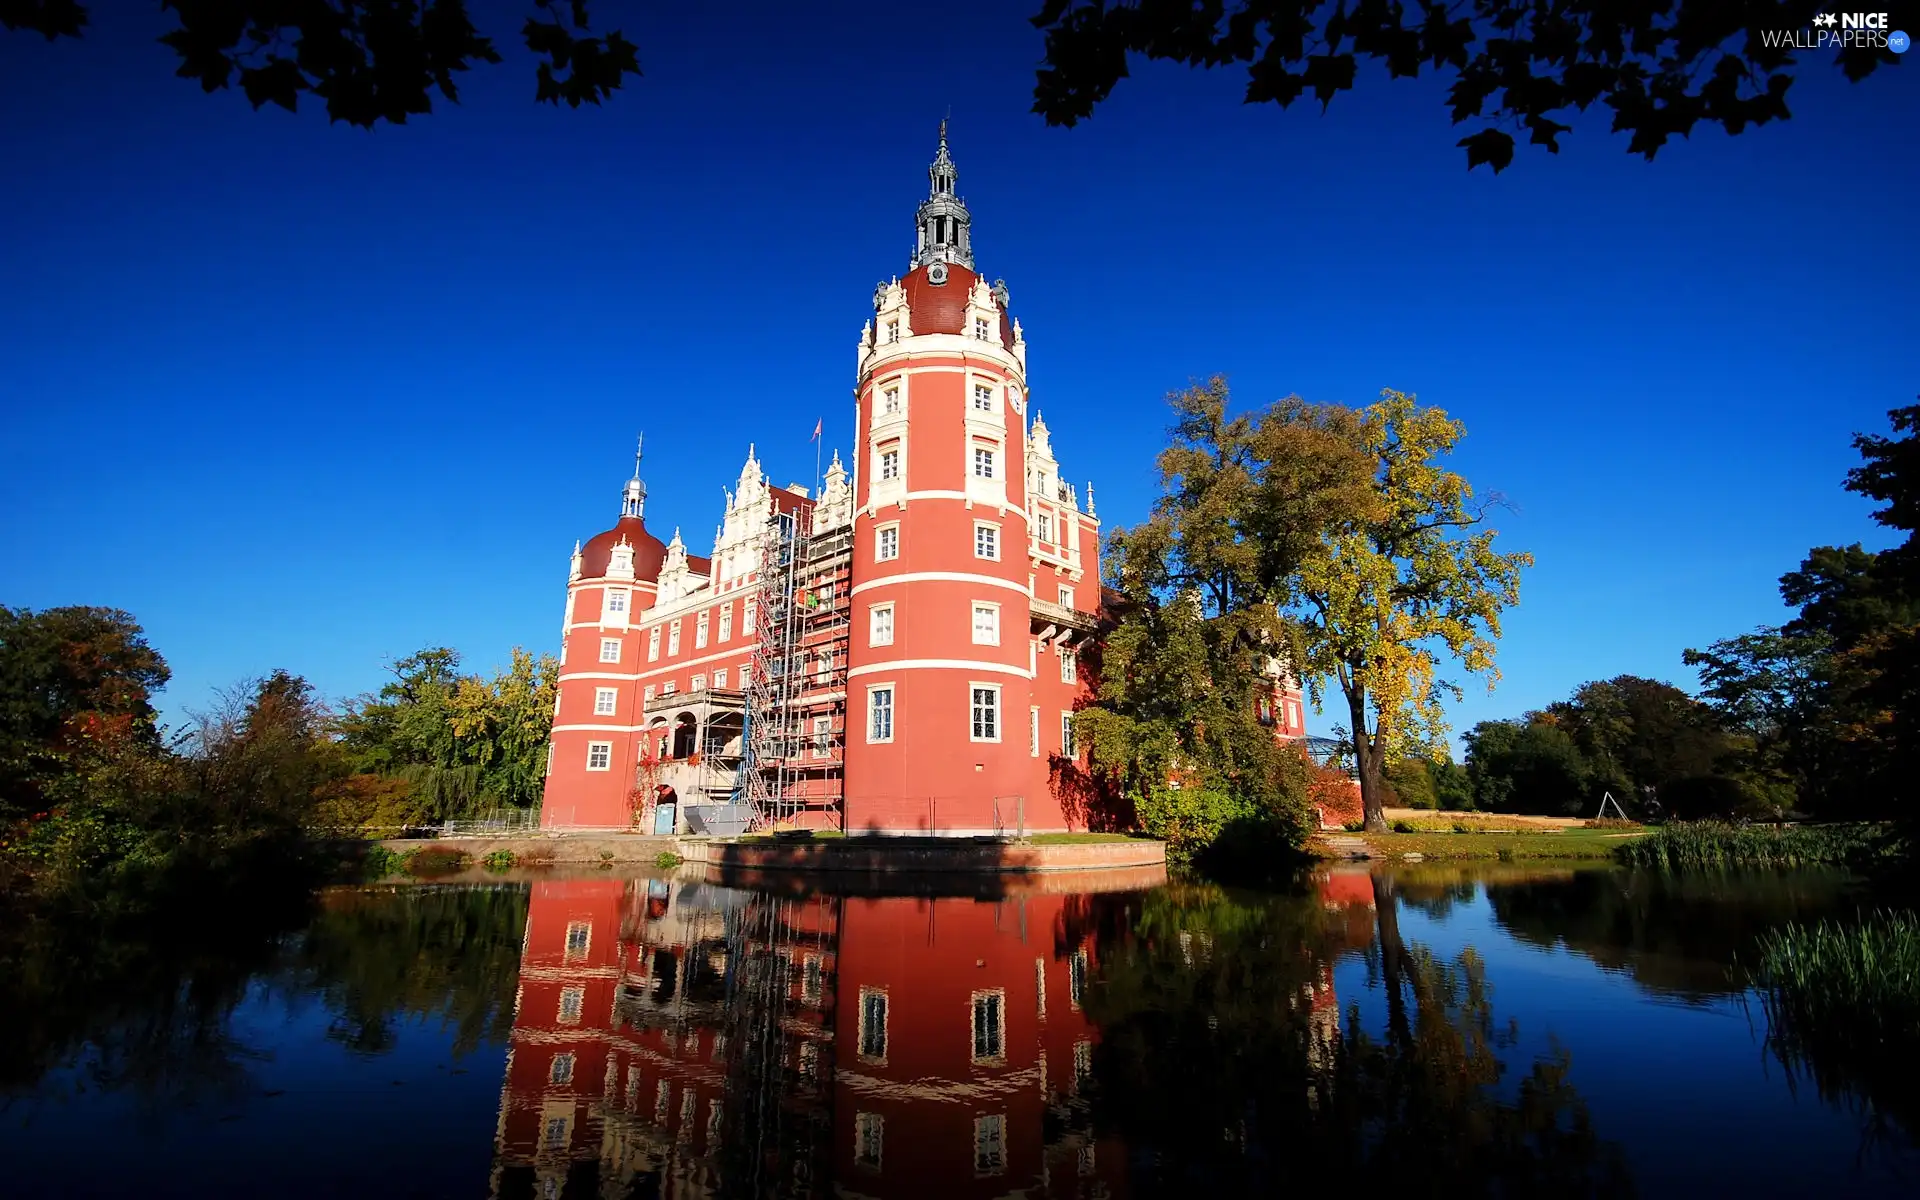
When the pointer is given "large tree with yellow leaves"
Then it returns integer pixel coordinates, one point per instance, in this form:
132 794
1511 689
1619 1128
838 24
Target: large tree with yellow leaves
1402 581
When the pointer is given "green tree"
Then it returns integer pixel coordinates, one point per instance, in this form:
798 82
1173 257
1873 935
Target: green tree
1527 766
1412 783
1638 734
1515 65
1452 787
368 60
1174 726
1395 580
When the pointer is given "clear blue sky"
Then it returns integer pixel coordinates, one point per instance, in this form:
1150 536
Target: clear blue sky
309 397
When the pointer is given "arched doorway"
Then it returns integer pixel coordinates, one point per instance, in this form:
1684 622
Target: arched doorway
666 811
685 736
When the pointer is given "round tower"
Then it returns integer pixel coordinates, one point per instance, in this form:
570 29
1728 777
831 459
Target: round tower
940 668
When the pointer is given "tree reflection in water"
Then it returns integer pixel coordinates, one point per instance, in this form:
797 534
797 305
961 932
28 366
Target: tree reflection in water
1225 1066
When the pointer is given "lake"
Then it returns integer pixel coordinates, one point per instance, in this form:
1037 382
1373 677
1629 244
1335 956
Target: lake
1498 1029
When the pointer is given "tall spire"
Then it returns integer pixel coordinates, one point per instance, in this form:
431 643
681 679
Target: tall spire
943 222
633 500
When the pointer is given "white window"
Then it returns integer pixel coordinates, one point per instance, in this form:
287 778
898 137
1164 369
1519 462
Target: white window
869 1139
989 1026
1069 667
667 689
1067 748
890 400
983 397
616 601
886 543
880 625
990 1145
983 462
1033 731
646 696
986 712
1293 715
562 1071
700 632
880 714
599 756
822 736
571 1001
720 679
673 638
1066 597
1033 659
726 621
579 937
986 624
873 1023
980 329
893 330
986 541
748 610
890 463
699 683
604 701
1044 525
609 649
653 644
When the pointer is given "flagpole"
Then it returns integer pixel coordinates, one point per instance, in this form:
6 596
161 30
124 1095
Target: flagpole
817 439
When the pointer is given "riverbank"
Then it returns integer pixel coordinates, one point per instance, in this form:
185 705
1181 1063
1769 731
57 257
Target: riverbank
859 855
1565 843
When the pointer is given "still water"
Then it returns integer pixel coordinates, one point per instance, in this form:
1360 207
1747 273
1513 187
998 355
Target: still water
1493 1030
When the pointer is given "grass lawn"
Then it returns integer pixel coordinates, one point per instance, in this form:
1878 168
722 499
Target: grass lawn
1568 843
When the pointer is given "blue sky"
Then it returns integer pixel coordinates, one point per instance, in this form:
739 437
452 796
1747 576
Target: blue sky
309 397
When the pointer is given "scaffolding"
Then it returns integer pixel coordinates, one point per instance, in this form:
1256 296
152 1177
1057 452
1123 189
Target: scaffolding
795 734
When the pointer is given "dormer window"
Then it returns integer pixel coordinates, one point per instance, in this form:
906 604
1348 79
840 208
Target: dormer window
980 329
893 330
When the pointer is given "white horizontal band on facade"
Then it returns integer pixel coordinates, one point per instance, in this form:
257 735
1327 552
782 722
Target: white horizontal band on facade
657 668
941 577
940 664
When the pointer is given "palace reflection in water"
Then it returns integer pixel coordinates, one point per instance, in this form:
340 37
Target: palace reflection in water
683 1039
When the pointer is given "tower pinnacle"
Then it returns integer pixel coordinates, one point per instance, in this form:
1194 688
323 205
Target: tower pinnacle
944 224
633 501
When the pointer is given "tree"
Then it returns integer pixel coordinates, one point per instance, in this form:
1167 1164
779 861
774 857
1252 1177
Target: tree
1638 734
1527 766
72 681
1409 571
1195 627
368 60
1889 661
1516 65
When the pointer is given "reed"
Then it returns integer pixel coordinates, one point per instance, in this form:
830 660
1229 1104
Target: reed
1713 845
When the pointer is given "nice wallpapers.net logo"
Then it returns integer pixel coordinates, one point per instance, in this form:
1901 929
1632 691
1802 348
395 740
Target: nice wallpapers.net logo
1841 31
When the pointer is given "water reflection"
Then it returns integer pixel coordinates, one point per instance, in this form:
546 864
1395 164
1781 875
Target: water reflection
684 1040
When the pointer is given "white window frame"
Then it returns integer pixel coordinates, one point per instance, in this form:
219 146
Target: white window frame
561 1072
869 1140
990 1144
646 696
606 701
983 397
1069 665
886 537
573 1001
893 331
604 752
610 650
1043 527
982 331
992 530
860 1030
1033 732
988 457
986 633
890 400
749 617
653 644
874 692
700 630
1067 747
616 603
726 621
997 1053
880 624
699 684
673 637
888 468
974 688
823 737
1066 597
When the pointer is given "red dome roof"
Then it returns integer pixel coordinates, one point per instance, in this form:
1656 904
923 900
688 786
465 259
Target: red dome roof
649 552
942 308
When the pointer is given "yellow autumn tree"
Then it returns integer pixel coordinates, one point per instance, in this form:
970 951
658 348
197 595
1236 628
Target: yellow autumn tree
1405 579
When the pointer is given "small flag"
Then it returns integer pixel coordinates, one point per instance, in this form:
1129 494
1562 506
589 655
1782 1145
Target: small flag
816 428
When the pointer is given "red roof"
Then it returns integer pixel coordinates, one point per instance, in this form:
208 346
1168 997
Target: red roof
942 308
649 552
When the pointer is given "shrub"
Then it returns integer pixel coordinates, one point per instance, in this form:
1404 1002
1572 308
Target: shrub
667 860
381 862
435 860
501 860
1405 827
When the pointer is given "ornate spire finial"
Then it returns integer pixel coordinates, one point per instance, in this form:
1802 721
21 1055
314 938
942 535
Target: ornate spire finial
633 500
944 225
1090 511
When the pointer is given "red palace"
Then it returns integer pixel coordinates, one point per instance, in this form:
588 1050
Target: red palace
895 649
